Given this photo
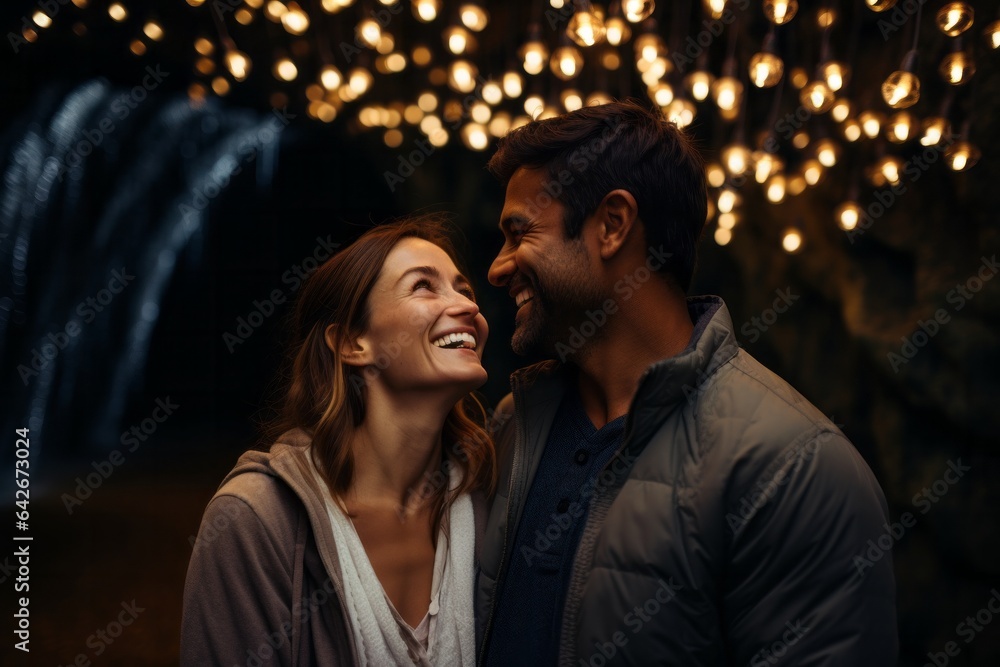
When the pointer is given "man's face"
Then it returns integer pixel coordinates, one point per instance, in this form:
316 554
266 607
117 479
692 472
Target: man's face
551 278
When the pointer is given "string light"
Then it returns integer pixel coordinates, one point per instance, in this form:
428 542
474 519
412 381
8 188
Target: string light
566 62
534 55
961 155
699 84
238 64
880 5
780 12
827 152
294 20
426 10
901 89
900 127
955 18
285 70
957 68
835 74
791 241
736 159
934 129
474 17
637 11
766 68
586 28
848 215
462 76
117 12
817 97
992 34
766 165
616 31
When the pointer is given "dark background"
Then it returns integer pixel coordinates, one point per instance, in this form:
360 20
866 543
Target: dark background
163 336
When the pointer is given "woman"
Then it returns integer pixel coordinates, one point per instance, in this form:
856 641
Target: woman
351 541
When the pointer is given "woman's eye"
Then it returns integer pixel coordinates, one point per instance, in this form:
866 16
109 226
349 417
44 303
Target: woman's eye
467 293
423 282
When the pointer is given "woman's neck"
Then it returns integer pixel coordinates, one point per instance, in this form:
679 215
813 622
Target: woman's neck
397 452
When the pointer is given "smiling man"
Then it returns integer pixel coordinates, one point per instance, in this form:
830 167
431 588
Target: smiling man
664 498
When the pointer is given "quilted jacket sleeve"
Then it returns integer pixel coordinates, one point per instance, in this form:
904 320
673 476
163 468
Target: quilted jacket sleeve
810 580
237 592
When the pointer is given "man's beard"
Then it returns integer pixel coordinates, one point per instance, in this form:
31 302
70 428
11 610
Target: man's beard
554 310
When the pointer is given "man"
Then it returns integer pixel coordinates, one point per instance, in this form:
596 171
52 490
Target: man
664 498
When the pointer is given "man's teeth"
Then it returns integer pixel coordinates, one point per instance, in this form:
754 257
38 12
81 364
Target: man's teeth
456 340
523 297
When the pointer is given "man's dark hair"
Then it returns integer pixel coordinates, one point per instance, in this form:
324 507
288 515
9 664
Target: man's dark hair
597 149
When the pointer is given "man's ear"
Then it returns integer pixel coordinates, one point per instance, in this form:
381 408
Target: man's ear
619 212
354 351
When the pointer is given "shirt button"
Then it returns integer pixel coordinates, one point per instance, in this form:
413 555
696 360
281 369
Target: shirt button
581 456
562 506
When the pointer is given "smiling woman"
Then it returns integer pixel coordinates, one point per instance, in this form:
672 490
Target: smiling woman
353 539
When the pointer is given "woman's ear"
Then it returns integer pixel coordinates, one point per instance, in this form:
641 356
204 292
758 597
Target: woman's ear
353 351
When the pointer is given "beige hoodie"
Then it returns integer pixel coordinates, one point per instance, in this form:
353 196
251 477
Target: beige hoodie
263 586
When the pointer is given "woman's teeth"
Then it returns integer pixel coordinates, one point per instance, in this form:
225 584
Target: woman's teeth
456 340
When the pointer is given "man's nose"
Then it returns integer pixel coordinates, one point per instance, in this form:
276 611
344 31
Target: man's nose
501 269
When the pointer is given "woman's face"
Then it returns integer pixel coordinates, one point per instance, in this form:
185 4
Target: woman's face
425 330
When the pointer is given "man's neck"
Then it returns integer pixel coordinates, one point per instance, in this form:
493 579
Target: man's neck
647 329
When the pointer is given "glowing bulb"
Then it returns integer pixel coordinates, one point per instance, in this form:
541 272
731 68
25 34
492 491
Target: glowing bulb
534 105
566 62
699 83
153 30
473 17
285 70
880 5
616 31
841 110
680 112
826 18
715 8
934 129
457 39
512 84
462 76
848 215
812 171
295 21
475 137
534 55
835 74
330 77
238 64
871 123
901 89
765 165
204 46
955 18
891 168
727 92
359 80
827 152
275 9
852 130
727 201
492 93
776 189
791 241
715 174
572 100
426 10
727 220
117 12
638 10
736 159
766 69
957 68
780 12
817 97
662 94
900 127
722 235
962 155
220 86
992 34
500 124
369 32
586 28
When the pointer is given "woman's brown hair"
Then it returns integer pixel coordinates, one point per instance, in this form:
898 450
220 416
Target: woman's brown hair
325 396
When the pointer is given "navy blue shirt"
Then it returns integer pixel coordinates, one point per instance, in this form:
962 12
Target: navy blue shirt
528 616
